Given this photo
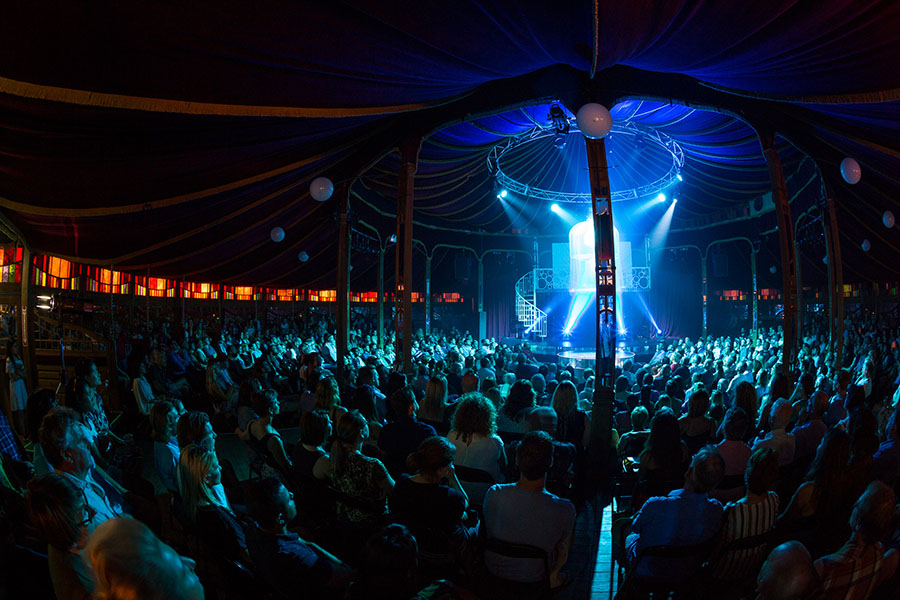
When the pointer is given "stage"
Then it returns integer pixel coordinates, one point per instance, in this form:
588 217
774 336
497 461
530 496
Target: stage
586 358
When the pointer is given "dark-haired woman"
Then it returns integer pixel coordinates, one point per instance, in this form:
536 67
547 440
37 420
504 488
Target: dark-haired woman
519 404
424 501
267 450
664 460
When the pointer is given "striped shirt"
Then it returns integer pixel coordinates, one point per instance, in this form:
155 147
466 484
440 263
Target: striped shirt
743 520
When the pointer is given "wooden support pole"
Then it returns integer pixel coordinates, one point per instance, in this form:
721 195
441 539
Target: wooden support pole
26 321
343 280
835 279
379 305
786 243
755 292
427 294
409 153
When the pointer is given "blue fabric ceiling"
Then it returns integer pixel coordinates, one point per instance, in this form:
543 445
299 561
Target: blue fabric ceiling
175 136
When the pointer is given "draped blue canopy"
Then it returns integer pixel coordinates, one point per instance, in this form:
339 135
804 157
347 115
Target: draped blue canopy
175 137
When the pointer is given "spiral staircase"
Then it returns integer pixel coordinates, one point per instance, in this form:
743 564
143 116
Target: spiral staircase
532 318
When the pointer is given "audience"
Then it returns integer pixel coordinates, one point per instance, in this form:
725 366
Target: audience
346 487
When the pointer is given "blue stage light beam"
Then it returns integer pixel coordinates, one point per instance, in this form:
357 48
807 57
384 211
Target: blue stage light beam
661 231
580 302
564 214
649 314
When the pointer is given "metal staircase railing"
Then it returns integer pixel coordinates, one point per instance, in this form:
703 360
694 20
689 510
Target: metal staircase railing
527 312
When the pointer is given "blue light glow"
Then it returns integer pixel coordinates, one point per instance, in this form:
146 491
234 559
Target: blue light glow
554 207
503 193
661 197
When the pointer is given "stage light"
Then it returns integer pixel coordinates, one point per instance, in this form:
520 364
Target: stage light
679 177
674 200
503 193
555 207
661 197
393 239
658 331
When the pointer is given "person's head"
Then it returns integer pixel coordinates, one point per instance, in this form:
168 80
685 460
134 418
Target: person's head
538 383
842 379
543 418
163 421
664 441
469 382
58 510
735 424
349 433
762 471
819 404
271 504
474 414
86 369
873 513
787 574
65 443
829 466
267 404
389 565
565 399
520 398
364 401
198 472
639 418
403 402
698 404
534 456
780 413
327 394
130 562
745 397
194 428
433 457
706 470
39 404
435 399
315 427
367 376
621 384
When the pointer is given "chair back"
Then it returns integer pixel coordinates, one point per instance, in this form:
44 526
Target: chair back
473 475
515 590
687 585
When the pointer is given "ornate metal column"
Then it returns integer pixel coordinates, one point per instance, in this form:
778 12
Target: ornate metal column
409 154
604 254
786 243
704 288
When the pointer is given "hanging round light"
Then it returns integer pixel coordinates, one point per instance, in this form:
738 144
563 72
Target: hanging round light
888 219
594 120
866 245
303 256
321 189
851 171
277 234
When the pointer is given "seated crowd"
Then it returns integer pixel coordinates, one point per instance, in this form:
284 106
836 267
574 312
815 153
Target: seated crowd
458 481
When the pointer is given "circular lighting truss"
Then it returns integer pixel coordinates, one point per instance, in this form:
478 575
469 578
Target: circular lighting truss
627 130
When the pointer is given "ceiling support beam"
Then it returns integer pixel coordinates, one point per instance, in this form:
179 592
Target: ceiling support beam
409 162
343 280
786 244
